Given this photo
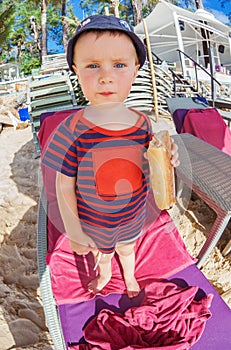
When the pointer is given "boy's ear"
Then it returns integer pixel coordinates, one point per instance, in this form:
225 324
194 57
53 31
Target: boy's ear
75 69
136 71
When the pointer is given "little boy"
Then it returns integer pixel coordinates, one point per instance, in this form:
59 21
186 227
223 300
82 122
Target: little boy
99 152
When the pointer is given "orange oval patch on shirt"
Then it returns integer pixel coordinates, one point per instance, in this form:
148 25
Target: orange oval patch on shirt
117 171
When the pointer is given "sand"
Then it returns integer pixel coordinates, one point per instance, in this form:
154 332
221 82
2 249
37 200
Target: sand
22 321
22 324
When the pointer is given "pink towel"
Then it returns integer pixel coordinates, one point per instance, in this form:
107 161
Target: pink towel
169 318
208 125
96 347
160 252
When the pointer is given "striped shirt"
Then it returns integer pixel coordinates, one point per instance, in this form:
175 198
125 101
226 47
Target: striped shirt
112 175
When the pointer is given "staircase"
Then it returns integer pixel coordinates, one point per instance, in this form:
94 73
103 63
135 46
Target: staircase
168 83
183 87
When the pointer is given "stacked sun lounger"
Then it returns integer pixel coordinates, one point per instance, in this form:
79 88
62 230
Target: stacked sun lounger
53 63
141 94
48 93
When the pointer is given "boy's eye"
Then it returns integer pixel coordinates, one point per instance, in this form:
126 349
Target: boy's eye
93 66
119 65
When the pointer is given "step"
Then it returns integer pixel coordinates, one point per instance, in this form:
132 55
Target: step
50 101
44 81
37 112
49 91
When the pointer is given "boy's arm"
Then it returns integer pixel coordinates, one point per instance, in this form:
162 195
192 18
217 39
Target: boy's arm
67 202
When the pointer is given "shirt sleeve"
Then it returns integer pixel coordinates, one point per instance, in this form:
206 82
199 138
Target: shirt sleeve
60 152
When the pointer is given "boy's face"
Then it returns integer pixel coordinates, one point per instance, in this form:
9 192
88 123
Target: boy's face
106 66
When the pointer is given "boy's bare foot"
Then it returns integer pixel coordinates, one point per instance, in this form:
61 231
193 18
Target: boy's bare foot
133 287
98 283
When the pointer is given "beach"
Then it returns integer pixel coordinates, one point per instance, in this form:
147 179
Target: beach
22 323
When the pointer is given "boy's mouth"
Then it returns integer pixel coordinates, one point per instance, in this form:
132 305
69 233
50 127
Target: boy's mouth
106 93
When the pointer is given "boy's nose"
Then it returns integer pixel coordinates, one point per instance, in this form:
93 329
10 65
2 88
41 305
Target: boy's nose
106 76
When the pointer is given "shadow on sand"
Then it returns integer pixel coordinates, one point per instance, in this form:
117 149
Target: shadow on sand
19 298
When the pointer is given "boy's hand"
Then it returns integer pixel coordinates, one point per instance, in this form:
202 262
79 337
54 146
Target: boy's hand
84 246
175 155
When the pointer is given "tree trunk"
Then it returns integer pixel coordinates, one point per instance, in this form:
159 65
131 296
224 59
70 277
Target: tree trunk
44 28
35 33
199 4
115 7
64 24
137 11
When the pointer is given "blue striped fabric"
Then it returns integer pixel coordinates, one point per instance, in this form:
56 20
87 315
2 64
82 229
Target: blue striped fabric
100 159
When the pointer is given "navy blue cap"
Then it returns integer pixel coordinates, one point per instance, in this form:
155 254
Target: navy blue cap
109 23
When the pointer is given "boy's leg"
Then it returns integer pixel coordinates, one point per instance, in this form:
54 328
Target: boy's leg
127 259
104 274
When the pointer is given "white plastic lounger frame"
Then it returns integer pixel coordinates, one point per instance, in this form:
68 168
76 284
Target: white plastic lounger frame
50 309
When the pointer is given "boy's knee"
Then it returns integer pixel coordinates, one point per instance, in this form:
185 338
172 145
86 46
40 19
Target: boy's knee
106 258
124 249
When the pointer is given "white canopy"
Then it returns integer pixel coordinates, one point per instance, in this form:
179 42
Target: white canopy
171 27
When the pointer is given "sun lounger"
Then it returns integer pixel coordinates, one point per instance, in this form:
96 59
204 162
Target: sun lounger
48 93
206 170
161 257
65 320
192 116
179 106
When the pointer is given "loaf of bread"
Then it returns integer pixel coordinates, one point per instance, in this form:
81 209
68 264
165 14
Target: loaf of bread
161 170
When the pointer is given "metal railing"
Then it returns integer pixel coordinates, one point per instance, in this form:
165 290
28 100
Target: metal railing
213 80
176 78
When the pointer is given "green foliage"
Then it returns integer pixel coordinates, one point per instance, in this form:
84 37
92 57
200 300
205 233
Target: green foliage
92 7
54 25
16 38
72 23
28 62
125 9
148 7
6 21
